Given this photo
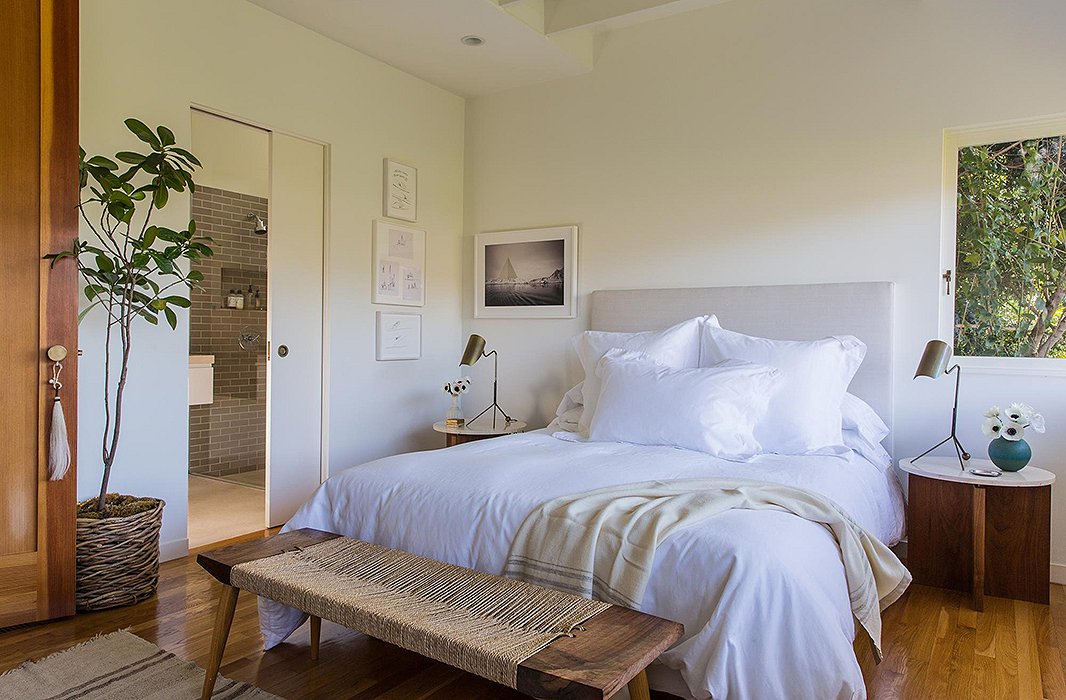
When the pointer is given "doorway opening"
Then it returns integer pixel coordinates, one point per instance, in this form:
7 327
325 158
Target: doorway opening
228 332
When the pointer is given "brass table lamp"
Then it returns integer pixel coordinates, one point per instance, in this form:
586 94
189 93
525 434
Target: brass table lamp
933 364
475 350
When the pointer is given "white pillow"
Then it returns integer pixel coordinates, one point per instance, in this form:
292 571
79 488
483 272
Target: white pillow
712 410
677 346
859 416
864 430
804 414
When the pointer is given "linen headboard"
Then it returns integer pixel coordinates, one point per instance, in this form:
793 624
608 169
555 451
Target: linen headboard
784 312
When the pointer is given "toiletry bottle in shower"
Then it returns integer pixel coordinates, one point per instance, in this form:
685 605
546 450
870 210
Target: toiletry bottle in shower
257 301
231 299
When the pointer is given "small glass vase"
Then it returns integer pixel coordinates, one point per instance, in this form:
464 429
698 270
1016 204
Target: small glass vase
454 418
1009 455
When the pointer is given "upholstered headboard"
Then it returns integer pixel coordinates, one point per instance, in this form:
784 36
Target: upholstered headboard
785 312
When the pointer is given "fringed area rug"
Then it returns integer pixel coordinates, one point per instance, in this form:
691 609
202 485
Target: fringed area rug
117 665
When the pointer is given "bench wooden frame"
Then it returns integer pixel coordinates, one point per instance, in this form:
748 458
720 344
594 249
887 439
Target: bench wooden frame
616 647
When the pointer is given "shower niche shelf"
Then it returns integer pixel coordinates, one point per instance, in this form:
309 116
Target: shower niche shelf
240 278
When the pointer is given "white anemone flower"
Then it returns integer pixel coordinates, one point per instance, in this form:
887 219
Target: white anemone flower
1020 412
1012 431
992 426
993 412
1036 422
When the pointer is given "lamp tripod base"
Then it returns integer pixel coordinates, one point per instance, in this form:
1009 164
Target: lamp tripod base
963 455
495 408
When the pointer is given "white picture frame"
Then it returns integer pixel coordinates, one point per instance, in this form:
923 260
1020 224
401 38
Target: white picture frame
399 336
400 189
516 273
399 255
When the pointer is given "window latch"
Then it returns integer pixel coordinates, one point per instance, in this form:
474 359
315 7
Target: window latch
947 282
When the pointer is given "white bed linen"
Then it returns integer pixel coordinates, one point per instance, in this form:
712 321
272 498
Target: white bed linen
762 594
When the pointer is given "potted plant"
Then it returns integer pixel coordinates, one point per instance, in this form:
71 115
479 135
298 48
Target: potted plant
133 272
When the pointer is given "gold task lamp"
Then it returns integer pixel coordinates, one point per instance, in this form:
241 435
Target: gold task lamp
475 350
933 364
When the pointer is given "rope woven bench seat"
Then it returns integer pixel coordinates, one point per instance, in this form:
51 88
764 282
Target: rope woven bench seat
479 623
541 642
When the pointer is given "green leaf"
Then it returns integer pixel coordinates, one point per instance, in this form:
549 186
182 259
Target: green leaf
101 162
141 131
172 318
158 304
130 157
186 155
178 301
105 263
159 199
166 136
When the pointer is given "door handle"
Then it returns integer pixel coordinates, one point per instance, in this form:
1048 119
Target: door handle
283 350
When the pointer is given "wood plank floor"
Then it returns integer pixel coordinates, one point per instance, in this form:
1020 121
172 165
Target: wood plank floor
935 647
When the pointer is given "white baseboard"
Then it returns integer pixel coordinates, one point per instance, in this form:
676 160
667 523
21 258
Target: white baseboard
174 549
1058 573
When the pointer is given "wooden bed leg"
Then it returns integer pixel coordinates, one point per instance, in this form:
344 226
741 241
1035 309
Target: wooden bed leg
227 603
638 687
316 635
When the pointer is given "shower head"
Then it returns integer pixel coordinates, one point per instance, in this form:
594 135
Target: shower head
260 225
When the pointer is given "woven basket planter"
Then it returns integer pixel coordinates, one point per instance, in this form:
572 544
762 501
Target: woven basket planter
118 559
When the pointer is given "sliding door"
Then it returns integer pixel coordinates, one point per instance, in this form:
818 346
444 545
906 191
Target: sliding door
38 306
294 384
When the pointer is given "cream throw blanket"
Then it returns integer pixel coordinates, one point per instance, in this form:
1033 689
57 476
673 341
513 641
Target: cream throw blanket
601 544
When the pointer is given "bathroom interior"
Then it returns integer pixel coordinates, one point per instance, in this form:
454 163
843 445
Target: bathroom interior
228 332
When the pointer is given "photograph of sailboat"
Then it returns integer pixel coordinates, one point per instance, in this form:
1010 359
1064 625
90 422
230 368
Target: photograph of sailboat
528 273
524 274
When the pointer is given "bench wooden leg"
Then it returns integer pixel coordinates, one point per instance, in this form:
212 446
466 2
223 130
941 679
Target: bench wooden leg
638 687
316 635
227 603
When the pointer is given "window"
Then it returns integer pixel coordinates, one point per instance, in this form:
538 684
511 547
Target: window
1010 247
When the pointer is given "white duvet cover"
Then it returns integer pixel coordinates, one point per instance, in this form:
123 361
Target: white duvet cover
761 593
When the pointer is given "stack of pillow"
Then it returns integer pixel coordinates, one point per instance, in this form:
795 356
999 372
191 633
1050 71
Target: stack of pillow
701 387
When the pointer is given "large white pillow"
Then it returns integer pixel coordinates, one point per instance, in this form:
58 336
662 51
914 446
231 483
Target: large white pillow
712 410
677 346
804 415
863 430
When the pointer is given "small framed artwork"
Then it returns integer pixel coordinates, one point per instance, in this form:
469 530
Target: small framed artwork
399 336
526 274
399 264
401 191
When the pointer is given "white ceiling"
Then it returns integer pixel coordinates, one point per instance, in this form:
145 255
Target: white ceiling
526 41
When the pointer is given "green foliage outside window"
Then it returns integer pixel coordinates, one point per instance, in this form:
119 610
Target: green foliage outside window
1010 287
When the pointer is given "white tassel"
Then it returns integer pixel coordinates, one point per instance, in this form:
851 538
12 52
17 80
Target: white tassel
58 445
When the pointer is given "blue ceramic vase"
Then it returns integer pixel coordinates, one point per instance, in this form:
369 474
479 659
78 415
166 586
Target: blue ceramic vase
1009 455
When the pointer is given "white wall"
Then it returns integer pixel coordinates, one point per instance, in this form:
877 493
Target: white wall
153 60
235 156
767 142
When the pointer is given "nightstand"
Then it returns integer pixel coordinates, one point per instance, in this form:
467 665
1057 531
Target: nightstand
983 535
481 431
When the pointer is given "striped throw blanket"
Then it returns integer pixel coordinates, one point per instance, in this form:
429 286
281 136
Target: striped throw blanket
601 544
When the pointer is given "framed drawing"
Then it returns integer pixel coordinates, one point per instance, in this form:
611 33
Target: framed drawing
399 336
526 274
401 191
399 264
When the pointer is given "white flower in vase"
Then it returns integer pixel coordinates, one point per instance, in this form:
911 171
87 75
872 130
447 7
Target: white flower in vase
1020 412
992 426
1012 431
993 412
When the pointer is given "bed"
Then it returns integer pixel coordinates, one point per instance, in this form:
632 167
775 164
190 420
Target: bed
761 593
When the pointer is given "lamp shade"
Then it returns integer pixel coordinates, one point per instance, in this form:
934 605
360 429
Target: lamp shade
934 360
475 349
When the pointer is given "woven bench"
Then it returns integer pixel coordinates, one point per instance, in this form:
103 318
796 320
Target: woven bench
541 642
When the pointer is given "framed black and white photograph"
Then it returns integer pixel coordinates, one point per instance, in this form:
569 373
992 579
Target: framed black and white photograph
399 336
401 191
530 273
399 264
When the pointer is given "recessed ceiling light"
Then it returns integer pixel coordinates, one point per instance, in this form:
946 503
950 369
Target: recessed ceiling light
472 40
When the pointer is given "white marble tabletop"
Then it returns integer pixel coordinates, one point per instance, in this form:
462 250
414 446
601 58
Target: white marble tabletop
947 469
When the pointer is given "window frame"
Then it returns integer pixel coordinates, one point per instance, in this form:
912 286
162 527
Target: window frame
963 137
